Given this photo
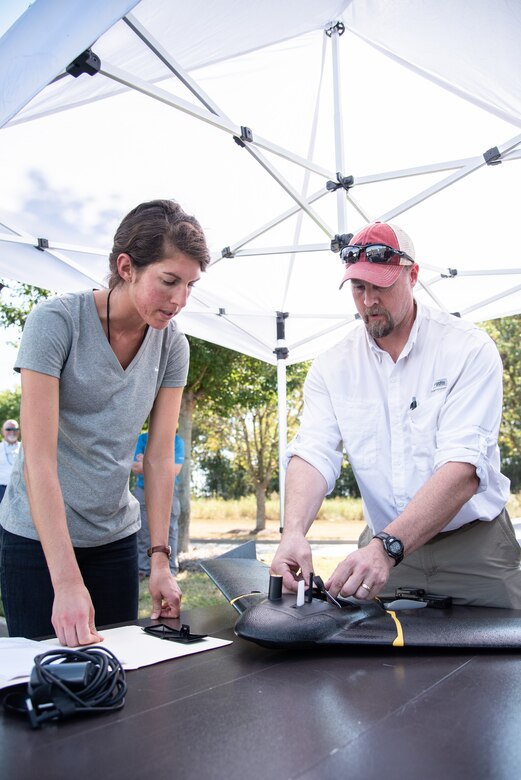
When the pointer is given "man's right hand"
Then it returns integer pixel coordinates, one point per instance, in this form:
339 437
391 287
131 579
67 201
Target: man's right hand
293 560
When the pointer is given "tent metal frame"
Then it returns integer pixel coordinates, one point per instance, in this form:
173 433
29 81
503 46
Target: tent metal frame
208 111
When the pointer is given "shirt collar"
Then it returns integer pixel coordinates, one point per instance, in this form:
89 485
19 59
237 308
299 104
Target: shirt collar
413 335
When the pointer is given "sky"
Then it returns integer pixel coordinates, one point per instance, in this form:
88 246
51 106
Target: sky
10 10
83 188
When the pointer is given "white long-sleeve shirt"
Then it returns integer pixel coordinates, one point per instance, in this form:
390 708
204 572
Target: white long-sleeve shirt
8 455
399 422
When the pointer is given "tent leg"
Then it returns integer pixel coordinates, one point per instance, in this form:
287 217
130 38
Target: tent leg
283 432
282 354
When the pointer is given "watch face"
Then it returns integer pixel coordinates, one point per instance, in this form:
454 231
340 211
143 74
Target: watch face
392 546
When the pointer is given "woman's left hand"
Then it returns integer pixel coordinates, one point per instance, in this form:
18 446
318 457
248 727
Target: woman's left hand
166 594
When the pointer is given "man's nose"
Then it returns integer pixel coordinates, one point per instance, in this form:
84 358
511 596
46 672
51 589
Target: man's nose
371 296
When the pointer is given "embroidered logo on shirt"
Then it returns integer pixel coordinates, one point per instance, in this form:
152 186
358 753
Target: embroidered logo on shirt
439 384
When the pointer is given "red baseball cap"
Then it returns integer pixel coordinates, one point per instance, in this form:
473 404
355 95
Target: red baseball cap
379 274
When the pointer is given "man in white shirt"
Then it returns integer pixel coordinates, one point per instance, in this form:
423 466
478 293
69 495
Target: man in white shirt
414 396
9 449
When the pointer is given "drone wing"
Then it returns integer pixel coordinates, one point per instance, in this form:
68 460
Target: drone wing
240 577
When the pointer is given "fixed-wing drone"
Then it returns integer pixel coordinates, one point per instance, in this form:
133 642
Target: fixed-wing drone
274 619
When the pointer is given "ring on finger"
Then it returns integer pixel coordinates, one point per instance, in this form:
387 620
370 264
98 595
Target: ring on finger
364 585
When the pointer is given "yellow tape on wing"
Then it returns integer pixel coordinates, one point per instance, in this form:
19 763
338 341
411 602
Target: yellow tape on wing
398 642
244 596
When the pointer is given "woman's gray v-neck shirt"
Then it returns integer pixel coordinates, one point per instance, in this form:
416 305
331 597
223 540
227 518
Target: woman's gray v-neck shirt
102 411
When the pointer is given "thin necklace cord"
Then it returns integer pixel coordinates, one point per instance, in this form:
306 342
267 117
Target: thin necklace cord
108 315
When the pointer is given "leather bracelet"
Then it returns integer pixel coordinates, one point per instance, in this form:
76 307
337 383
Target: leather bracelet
163 548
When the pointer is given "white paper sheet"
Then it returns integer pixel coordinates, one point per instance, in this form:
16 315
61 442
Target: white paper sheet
17 658
131 646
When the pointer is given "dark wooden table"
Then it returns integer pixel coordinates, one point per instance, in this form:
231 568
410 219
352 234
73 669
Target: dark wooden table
245 712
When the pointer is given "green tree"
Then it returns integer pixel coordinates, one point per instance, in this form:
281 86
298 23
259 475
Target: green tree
242 420
17 301
506 332
10 405
222 476
210 367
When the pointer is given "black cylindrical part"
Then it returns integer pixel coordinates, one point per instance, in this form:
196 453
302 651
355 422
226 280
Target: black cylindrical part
275 587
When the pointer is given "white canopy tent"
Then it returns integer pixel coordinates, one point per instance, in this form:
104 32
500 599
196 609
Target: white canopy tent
342 112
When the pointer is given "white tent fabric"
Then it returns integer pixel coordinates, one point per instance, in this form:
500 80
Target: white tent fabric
278 257
470 47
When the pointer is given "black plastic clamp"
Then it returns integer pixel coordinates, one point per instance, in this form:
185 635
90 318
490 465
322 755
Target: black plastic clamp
87 62
346 182
227 252
340 240
43 243
339 28
282 316
492 156
246 136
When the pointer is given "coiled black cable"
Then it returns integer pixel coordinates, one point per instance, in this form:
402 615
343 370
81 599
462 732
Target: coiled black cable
96 683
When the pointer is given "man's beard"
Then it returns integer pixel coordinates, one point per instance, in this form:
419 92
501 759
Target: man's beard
379 329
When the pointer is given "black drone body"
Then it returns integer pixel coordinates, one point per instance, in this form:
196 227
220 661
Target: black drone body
274 620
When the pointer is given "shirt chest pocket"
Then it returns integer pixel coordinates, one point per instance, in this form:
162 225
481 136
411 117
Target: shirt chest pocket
360 425
424 425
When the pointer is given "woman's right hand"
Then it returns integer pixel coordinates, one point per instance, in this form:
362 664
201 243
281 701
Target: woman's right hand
73 617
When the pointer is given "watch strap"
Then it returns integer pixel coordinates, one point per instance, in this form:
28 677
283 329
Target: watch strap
160 548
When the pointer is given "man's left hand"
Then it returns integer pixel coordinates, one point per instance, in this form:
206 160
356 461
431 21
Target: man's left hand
362 574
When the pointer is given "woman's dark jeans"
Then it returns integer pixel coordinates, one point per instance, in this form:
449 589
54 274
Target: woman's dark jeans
110 574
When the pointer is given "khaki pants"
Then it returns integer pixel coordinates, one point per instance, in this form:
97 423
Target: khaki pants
478 564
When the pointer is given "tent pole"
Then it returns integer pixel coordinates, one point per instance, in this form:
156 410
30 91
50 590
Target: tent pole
282 353
334 33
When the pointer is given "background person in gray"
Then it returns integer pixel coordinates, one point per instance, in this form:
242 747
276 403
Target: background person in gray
94 365
414 396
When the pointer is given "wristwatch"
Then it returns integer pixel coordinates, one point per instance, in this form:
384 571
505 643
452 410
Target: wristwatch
164 548
392 546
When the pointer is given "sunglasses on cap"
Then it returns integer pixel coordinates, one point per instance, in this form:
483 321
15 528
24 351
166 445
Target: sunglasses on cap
375 253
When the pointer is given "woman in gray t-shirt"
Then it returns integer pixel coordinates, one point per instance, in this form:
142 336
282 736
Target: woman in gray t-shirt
94 365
